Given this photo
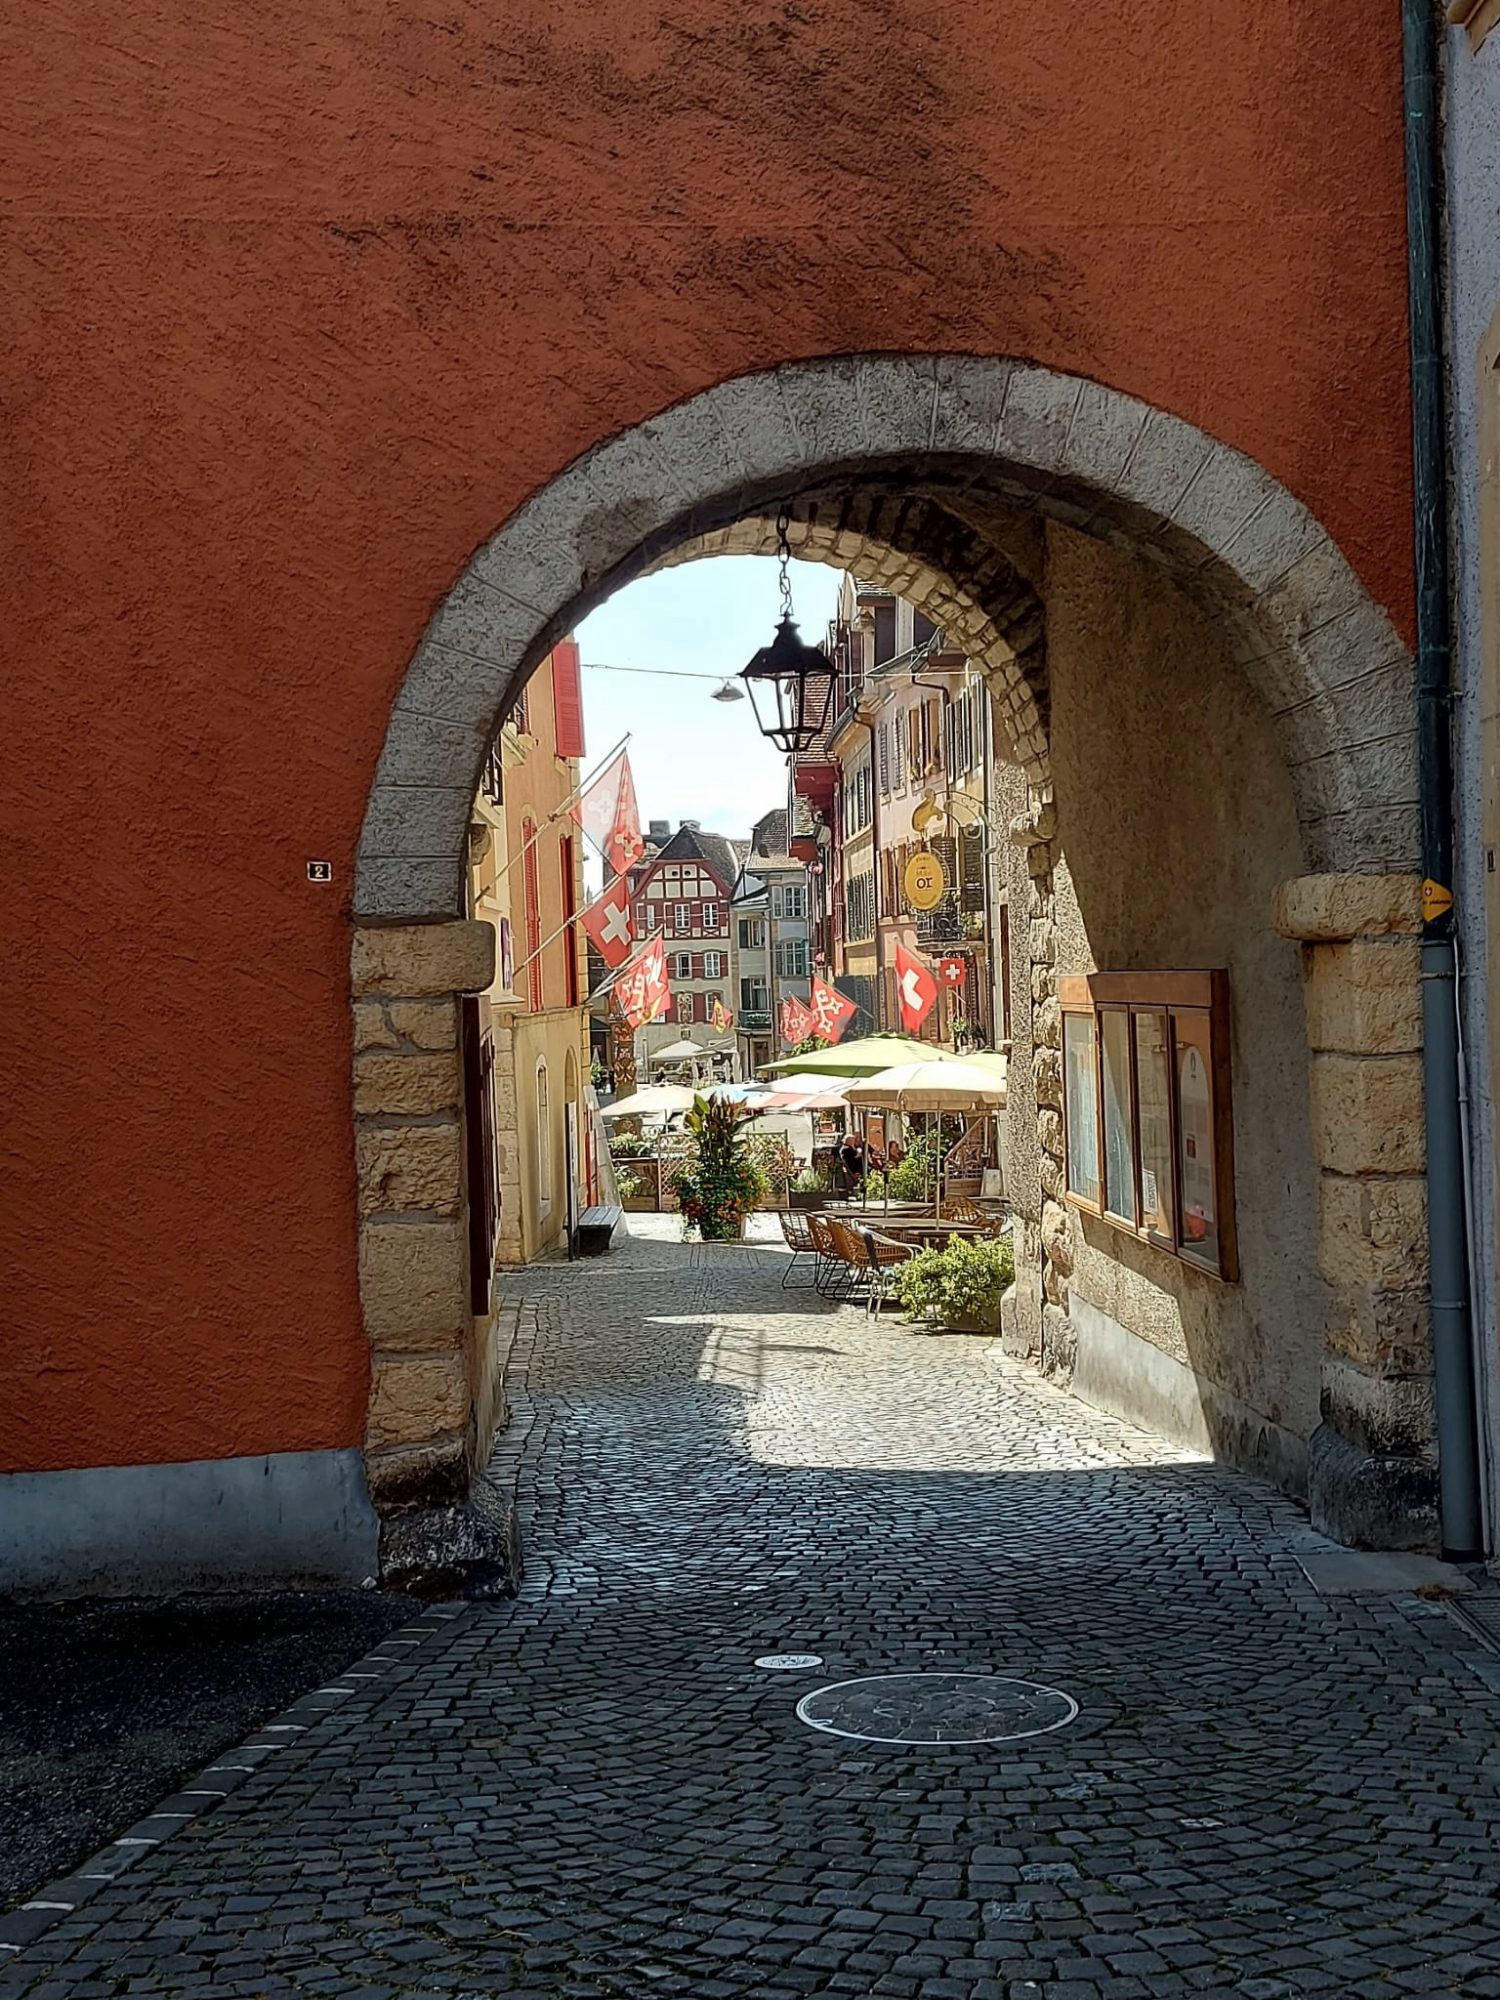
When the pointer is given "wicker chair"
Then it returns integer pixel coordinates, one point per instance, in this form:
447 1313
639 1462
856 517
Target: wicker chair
849 1248
961 1208
835 1278
884 1254
799 1240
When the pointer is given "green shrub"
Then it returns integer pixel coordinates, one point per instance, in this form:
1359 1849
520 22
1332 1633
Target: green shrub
811 1180
958 1285
628 1185
913 1178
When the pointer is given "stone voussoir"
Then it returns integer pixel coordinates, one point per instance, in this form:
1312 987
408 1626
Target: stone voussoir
415 961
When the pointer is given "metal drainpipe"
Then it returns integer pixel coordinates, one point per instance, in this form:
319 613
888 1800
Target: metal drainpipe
1463 1525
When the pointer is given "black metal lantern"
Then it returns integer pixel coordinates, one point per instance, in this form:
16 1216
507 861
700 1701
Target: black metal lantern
790 683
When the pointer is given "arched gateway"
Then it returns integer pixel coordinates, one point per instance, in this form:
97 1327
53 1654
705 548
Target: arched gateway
1085 550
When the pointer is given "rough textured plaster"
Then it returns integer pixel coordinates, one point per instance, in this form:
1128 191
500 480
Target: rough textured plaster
295 319
1177 823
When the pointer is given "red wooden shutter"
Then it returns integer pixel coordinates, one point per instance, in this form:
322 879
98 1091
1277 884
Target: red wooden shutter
567 698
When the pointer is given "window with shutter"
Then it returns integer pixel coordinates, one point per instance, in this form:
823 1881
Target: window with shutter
567 698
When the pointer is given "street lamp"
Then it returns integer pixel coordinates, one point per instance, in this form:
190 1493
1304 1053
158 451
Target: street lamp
790 683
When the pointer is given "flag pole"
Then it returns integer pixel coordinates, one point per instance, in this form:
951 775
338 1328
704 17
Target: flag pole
557 813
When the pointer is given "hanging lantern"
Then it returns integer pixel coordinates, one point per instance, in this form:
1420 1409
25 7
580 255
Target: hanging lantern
790 683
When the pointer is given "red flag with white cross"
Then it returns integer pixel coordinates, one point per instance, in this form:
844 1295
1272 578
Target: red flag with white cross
916 989
607 922
643 991
831 1011
953 972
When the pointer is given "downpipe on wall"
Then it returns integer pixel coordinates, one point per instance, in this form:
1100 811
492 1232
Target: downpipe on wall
1463 1525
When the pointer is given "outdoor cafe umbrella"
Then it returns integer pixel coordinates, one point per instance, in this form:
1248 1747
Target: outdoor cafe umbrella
656 1100
679 1052
865 1057
944 1083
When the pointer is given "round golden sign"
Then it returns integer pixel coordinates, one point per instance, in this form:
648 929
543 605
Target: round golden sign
924 882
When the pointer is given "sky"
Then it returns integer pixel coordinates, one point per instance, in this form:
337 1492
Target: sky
693 757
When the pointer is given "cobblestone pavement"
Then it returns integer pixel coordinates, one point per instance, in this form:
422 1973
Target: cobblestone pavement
593 1791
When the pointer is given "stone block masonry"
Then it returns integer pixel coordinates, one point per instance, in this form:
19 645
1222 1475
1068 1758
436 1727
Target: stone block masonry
421 1436
1372 1472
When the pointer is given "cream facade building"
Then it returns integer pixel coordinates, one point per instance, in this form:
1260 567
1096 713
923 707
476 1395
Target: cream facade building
526 1054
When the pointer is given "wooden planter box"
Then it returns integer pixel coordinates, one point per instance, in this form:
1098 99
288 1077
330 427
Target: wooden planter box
655 1196
819 1199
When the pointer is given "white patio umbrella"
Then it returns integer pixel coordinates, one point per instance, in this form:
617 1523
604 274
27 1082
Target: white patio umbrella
656 1100
947 1083
679 1052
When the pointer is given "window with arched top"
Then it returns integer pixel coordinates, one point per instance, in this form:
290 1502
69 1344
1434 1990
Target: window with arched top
543 1140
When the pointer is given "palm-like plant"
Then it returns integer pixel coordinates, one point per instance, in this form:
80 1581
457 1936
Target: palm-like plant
718 1184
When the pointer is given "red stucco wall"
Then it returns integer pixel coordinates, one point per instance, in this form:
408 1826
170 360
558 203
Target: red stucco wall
303 300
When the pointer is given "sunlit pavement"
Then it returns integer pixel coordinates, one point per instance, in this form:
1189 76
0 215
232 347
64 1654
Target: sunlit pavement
595 1790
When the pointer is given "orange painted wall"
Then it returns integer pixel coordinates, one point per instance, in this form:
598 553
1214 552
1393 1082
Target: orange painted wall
302 301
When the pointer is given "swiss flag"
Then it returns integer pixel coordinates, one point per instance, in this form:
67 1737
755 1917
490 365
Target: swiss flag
831 1012
796 1023
643 991
916 989
607 922
953 972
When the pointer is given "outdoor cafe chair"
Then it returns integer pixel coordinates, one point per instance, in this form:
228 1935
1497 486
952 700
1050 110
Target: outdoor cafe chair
884 1254
799 1240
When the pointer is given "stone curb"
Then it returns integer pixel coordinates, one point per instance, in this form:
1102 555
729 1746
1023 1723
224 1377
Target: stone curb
200 1795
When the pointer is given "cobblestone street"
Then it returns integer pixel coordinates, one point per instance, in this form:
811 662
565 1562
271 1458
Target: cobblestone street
593 1790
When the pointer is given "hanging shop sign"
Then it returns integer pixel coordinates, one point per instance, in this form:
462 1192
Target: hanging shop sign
924 882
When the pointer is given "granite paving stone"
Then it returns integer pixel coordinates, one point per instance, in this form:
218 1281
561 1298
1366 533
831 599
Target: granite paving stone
592 1793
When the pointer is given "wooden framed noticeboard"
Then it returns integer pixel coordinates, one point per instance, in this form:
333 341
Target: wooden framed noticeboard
1148 1127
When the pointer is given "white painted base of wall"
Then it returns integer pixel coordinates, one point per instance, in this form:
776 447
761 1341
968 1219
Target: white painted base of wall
290 1518
1117 1371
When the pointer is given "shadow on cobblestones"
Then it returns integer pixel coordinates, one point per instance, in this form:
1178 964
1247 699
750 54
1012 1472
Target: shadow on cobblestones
593 1791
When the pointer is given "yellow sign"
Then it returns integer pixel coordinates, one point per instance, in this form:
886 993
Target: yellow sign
924 882
1436 900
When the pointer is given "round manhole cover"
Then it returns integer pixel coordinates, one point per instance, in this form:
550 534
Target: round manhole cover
789 1663
937 1708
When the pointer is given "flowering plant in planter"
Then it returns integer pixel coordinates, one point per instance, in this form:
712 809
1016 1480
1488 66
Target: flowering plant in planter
718 1184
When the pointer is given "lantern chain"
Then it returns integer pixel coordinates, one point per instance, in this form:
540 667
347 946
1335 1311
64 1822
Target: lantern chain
784 556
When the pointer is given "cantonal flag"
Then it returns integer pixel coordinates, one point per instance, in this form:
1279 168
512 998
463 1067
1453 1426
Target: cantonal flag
830 1010
607 812
643 991
624 847
796 1022
607 923
916 989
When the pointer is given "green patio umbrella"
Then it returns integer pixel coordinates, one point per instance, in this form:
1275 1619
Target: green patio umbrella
866 1057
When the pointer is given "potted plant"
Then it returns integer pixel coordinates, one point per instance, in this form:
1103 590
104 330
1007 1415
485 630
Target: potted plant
636 1191
957 1288
809 1189
718 1183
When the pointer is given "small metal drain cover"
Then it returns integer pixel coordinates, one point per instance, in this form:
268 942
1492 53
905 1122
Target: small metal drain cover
937 1708
789 1663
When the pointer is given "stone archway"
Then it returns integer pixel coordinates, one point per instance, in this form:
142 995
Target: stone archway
908 467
